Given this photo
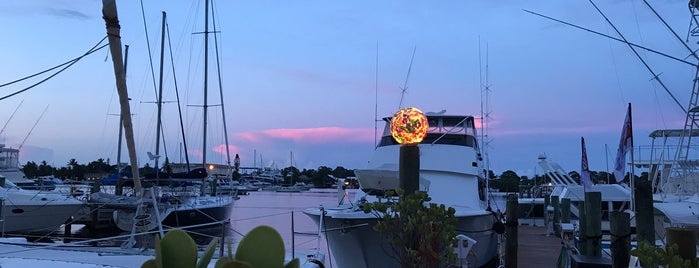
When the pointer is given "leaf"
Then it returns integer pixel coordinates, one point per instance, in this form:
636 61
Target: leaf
208 254
178 250
295 263
262 247
152 263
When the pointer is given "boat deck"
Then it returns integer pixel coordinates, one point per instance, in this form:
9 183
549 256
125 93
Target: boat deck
535 248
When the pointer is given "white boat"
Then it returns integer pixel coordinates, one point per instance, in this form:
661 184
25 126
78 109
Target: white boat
29 211
451 173
675 179
615 197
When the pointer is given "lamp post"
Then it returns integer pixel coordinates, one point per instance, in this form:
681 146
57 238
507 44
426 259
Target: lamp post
409 127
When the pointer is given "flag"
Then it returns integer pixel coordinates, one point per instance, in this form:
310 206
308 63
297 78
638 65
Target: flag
625 144
584 168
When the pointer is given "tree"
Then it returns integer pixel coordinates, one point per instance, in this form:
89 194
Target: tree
509 181
30 169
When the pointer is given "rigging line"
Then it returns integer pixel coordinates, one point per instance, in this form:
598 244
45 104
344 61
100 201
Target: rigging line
220 87
177 95
376 95
92 50
32 129
613 38
44 71
692 52
655 76
150 57
404 89
12 115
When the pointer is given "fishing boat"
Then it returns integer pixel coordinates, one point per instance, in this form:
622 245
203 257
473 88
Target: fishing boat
451 173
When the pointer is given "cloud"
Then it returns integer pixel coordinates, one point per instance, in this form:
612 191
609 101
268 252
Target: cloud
67 13
221 149
320 135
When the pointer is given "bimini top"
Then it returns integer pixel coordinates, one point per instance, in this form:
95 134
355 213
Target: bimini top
443 129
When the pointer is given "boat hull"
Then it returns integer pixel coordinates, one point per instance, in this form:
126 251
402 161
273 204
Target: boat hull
39 218
354 242
215 211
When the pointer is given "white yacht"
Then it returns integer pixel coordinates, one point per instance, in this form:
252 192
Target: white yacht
451 173
29 211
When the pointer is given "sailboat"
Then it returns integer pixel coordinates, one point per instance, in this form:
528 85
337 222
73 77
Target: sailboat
173 199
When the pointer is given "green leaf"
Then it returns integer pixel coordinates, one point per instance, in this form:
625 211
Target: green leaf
152 263
178 250
262 247
208 254
295 263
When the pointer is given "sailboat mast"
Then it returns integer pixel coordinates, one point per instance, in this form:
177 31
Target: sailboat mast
206 77
160 98
111 20
121 119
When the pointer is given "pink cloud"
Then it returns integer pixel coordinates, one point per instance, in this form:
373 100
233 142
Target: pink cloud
318 135
322 134
221 149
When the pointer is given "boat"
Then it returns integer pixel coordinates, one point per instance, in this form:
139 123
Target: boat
30 211
451 173
615 197
675 181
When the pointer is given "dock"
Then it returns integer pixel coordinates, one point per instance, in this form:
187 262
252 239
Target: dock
535 248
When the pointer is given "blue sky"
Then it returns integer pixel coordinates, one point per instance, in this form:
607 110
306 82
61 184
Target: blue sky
301 77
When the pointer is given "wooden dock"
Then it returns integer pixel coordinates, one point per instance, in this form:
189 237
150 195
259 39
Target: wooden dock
536 248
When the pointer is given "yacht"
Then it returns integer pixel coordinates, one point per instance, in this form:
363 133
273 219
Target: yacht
451 173
29 211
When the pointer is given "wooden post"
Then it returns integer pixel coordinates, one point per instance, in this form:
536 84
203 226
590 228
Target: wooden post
593 223
620 230
582 245
645 226
556 216
686 242
511 233
409 168
565 210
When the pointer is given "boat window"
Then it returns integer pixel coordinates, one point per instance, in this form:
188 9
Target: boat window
462 140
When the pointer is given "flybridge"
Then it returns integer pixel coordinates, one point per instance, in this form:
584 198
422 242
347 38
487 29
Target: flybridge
443 129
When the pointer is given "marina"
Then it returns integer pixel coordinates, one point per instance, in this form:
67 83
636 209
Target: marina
424 194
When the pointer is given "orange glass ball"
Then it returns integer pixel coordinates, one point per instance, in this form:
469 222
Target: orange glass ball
409 126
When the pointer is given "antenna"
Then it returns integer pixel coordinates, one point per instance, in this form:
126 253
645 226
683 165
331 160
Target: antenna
32 129
404 89
12 115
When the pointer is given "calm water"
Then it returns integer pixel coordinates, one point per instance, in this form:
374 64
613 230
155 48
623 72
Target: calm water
276 209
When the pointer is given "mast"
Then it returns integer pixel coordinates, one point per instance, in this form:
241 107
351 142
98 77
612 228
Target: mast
121 120
111 20
160 99
206 77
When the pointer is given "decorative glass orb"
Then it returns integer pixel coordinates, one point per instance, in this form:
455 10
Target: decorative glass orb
409 126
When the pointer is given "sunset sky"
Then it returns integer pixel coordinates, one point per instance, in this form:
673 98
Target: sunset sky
304 78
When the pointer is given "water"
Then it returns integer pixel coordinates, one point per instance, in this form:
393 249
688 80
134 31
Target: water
276 209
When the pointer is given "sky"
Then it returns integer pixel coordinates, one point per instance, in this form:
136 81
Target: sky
306 80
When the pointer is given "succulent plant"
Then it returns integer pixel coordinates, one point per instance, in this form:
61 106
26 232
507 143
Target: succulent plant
262 247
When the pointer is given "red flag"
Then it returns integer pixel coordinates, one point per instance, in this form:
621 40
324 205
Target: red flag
625 144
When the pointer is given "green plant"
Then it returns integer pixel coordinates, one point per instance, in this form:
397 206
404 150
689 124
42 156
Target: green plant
420 235
262 247
653 256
